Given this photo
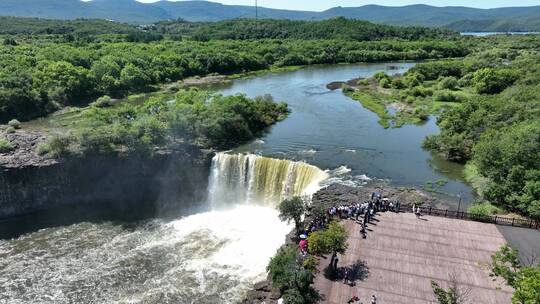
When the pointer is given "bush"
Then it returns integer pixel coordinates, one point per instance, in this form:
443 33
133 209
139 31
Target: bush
10 130
483 211
56 146
381 75
419 91
448 83
466 80
102 102
411 81
385 83
14 123
398 84
493 81
409 99
421 113
364 82
5 145
449 96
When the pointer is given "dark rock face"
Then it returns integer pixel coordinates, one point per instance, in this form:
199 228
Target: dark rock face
167 181
262 292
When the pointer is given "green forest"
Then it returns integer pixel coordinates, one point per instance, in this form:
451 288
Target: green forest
40 73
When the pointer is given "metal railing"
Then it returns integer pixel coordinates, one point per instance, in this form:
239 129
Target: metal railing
493 219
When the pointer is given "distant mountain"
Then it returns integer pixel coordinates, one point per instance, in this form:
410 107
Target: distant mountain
515 18
211 11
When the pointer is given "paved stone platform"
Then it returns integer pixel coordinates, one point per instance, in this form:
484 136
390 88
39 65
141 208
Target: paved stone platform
402 254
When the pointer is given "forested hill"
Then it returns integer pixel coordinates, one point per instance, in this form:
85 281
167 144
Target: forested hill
336 28
131 11
238 29
36 26
531 24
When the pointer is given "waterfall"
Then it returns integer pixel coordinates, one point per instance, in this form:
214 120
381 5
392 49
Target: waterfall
253 179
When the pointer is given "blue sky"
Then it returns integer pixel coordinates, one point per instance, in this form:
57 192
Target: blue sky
318 5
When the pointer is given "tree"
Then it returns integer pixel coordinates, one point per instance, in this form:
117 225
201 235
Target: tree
330 241
524 279
509 157
288 275
455 294
63 81
292 210
493 81
133 77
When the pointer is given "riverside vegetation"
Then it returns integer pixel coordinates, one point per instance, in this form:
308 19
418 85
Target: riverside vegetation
488 105
192 117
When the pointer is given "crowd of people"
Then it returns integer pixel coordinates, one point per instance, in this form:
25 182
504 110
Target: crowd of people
361 212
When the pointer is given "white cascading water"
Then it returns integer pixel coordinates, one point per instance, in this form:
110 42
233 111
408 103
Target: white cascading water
207 258
252 179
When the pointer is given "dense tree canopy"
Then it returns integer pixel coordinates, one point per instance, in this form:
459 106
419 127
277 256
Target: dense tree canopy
497 126
337 28
44 74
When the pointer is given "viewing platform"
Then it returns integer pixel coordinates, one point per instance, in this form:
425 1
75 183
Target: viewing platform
403 254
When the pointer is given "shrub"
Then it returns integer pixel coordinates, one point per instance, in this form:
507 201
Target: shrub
381 75
493 81
10 130
364 82
14 123
56 146
483 211
448 83
385 83
419 91
102 102
5 145
421 113
466 80
449 96
409 99
430 142
398 84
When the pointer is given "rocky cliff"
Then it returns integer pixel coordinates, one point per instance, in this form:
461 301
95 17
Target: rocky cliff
167 181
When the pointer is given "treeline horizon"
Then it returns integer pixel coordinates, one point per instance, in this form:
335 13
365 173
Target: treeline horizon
236 29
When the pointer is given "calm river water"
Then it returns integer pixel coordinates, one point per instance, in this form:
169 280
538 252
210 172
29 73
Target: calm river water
329 130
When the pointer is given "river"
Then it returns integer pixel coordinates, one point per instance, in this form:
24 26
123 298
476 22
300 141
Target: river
329 130
215 255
